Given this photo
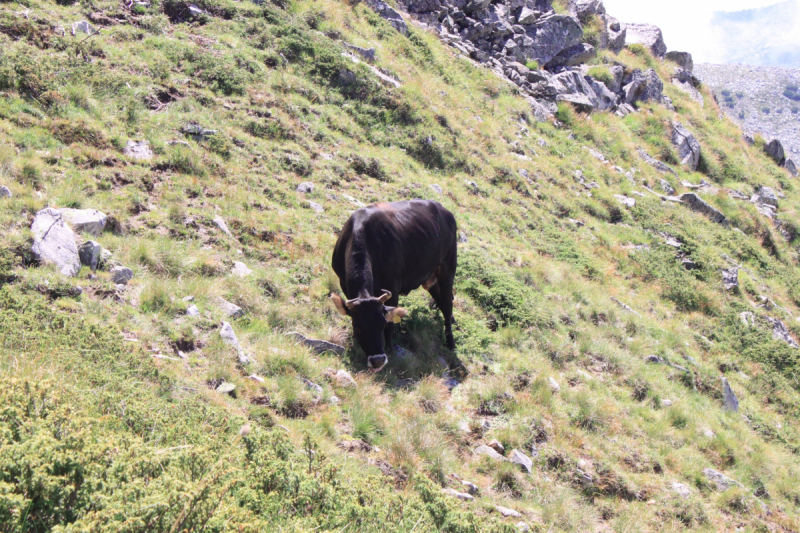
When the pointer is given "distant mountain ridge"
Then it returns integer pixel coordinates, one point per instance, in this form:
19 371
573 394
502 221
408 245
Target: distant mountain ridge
766 36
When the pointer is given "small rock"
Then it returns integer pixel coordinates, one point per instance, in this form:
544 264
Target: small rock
305 187
230 309
667 187
344 379
226 388
523 461
229 337
681 490
89 221
257 378
471 488
766 195
462 238
222 225
647 35
655 163
346 77
708 433
460 495
508 513
437 189
240 269
776 152
497 446
89 253
523 527
318 346
366 53
188 298
192 310
139 150
197 132
195 11
687 145
721 481
554 386
699 205
105 257
401 353
83 26
730 278
121 275
748 138
316 207
654 359
790 166
489 452
731 402
310 385
624 200
683 59
780 332
666 402
5 192
450 383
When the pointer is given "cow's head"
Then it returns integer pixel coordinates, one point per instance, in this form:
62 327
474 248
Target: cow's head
370 317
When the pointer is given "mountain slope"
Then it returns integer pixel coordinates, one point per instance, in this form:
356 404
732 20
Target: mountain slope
113 418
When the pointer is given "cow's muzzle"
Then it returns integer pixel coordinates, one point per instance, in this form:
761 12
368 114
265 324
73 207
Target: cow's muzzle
376 362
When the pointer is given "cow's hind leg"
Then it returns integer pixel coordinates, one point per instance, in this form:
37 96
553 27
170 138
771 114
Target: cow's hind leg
442 293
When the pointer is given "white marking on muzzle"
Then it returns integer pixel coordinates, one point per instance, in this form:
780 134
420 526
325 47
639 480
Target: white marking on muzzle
371 363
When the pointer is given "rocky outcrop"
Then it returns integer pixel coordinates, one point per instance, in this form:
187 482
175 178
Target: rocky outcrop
683 59
549 37
684 80
89 221
583 10
54 241
687 145
776 152
643 86
647 35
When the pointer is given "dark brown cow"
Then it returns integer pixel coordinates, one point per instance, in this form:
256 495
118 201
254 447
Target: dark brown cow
386 250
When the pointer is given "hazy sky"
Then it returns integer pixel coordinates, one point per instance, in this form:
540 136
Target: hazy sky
685 23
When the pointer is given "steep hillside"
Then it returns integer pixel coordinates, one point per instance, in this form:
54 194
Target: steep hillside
604 288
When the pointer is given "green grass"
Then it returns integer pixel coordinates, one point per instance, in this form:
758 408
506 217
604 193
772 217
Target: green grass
104 427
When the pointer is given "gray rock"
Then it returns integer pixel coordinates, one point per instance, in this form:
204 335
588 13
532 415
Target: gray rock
721 481
624 200
489 452
460 495
667 187
776 152
240 269
121 275
654 359
471 488
526 16
585 9
643 86
687 145
648 35
139 150
554 386
681 490
310 385
89 253
780 332
391 15
699 205
305 187
230 309
523 461
346 77
730 278
316 207
550 35
344 379
229 338
197 132
572 56
581 103
748 138
318 346
685 81
54 242
731 402
497 446
192 310
437 189
83 26
766 195
450 383
366 53
222 225
655 163
508 513
790 166
105 258
605 98
523 527
683 59
226 388
615 34
5 192
89 221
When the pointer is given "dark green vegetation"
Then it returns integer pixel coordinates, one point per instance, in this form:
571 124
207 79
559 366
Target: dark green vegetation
105 427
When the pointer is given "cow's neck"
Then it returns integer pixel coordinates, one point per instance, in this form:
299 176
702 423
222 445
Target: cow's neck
359 273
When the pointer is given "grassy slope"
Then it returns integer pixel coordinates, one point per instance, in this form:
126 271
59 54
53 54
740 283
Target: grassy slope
98 435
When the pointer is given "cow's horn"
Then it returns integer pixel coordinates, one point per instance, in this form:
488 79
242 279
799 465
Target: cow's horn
351 303
385 297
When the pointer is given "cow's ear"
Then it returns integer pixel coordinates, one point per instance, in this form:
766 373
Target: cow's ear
338 303
394 314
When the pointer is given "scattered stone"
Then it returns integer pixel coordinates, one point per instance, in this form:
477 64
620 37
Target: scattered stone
572 56
554 386
780 332
748 138
192 310
240 269
708 433
699 205
686 82
319 347
310 385
508 513
89 221
367 53
655 163
195 11
139 150
450 383
730 278
523 461
229 337
83 26
230 309
580 102
721 481
523 527
624 200
790 166
731 402
624 306
683 59
497 446
5 192
547 37
667 187
305 187
776 152
385 11
766 195
437 189
648 35
54 242
471 488
188 298
121 275
489 452
222 225
89 253
400 352
654 359
197 132
681 490
643 86
462 238
316 207
460 495
687 145
226 388
344 379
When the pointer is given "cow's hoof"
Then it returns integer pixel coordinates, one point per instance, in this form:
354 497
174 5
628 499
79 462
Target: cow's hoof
376 362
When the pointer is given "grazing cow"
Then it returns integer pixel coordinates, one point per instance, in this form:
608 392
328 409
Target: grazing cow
386 250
